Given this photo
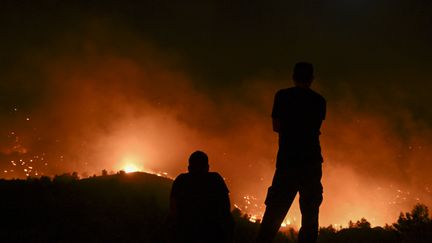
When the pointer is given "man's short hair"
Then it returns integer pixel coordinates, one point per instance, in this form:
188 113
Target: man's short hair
303 72
198 161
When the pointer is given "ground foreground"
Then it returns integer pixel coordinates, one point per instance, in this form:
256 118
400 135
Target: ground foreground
133 208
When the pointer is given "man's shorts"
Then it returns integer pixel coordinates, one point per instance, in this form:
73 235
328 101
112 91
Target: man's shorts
288 181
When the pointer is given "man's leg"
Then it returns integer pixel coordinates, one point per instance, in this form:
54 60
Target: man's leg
279 199
271 222
310 201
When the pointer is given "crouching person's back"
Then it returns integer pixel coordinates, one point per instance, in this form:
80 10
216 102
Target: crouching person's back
200 206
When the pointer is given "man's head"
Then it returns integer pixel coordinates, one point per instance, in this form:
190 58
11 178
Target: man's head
303 74
198 162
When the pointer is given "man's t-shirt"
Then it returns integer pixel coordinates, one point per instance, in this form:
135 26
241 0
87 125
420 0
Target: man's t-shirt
300 112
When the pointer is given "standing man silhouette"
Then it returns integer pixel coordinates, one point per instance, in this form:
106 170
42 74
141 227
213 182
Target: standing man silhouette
200 205
297 115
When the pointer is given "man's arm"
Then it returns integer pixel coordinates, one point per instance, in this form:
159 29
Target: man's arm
276 125
224 194
276 113
173 200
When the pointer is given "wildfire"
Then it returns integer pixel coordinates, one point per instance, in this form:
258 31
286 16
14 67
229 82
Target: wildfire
131 168
131 164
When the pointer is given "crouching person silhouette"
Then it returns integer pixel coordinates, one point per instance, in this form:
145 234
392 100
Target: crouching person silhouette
200 205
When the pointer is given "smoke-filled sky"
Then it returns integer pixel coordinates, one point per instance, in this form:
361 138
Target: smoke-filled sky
86 86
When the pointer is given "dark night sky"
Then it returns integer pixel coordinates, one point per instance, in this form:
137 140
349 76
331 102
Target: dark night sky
366 45
80 71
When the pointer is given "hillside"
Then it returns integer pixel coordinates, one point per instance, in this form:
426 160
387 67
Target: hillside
121 207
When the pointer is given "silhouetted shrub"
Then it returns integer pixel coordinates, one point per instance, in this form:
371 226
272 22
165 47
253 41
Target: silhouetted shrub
415 226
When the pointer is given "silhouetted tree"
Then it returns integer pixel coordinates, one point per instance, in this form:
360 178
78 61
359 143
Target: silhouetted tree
326 234
360 224
66 178
415 226
45 180
357 232
75 176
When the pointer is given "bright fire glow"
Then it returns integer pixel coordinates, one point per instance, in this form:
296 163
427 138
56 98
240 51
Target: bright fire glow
131 164
131 168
